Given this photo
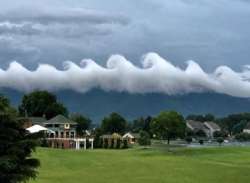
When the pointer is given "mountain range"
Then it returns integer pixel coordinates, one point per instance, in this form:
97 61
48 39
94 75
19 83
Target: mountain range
97 103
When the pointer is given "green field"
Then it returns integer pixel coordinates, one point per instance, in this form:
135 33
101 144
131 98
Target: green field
207 165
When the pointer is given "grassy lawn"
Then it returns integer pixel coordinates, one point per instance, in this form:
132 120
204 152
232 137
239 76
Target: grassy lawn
208 165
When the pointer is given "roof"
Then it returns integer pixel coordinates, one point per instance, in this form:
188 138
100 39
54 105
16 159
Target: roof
195 125
212 125
38 128
131 135
114 136
59 119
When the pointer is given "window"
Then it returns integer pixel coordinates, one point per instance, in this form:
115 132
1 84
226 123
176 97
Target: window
56 125
56 132
62 135
72 134
67 126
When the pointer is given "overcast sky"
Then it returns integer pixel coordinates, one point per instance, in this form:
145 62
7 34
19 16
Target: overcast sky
212 33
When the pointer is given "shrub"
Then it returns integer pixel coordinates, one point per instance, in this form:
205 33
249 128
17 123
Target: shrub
220 140
112 143
125 144
201 142
189 139
118 144
106 144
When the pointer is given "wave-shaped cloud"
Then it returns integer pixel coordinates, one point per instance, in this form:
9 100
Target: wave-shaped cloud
155 75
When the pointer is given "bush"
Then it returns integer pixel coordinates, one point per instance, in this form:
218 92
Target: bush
242 137
201 142
106 143
220 140
189 139
112 143
118 144
125 144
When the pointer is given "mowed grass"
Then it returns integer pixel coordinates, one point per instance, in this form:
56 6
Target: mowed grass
207 165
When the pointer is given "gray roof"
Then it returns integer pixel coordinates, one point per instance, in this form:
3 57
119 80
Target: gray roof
59 119
196 125
213 125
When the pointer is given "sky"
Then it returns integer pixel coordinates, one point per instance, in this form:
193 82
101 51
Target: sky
213 34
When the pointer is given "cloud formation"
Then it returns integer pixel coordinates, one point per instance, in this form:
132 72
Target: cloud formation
155 75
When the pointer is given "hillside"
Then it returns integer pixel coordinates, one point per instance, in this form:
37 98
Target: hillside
97 103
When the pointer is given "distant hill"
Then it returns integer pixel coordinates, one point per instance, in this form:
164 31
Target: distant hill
96 103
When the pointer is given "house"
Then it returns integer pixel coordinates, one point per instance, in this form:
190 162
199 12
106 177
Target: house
62 126
247 128
60 132
110 140
213 127
131 137
196 126
207 127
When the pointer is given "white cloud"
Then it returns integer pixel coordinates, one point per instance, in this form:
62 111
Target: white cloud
155 75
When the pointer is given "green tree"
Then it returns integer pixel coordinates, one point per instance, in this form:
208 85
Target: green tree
142 124
83 123
5 106
114 123
169 125
16 146
98 142
144 139
40 103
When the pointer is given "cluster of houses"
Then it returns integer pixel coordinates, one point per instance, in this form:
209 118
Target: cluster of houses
208 128
61 132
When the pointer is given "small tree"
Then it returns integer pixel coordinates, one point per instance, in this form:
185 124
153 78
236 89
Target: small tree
125 144
144 139
220 140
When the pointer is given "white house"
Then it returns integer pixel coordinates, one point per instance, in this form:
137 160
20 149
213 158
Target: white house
247 128
131 137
